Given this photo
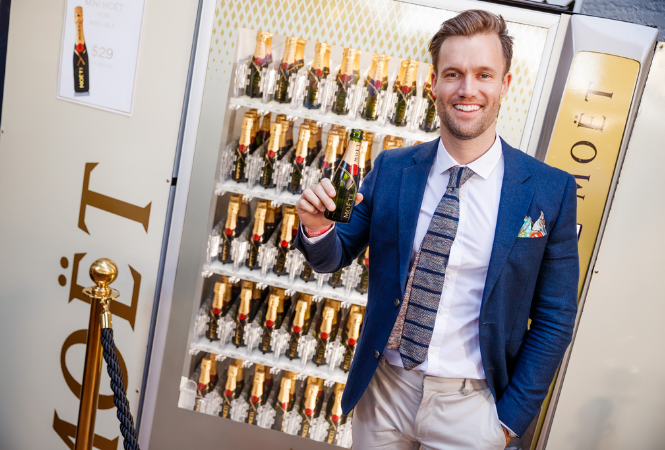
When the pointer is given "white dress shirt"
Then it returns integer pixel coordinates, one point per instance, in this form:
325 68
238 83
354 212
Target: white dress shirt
454 350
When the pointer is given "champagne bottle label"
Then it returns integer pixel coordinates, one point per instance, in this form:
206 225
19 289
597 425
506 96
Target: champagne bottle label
81 63
345 180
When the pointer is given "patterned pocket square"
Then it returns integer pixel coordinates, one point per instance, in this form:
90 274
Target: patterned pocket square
532 230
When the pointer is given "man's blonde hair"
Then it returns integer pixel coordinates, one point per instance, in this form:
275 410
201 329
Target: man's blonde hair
470 23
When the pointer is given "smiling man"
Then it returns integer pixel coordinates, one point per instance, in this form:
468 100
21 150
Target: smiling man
469 240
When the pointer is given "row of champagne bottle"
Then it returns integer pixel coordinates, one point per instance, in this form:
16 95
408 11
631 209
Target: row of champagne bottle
259 395
305 328
348 75
276 139
267 218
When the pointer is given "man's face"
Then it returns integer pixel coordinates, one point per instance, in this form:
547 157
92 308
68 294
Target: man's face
469 84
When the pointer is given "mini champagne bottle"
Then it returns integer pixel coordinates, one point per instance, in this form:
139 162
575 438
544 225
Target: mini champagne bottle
386 64
230 389
345 79
345 181
309 409
299 161
205 384
354 322
256 396
298 325
321 53
282 402
244 309
313 144
335 279
242 151
256 127
263 136
300 54
258 234
373 85
275 301
257 63
334 417
230 229
286 68
219 308
365 156
325 331
289 229
363 260
430 108
81 63
405 88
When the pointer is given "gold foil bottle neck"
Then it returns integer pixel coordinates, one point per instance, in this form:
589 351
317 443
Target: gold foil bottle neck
265 124
273 305
257 385
243 210
284 391
348 61
411 72
386 64
299 316
218 299
332 146
289 57
376 69
275 135
282 135
260 49
212 357
287 224
245 303
310 398
326 323
300 49
231 379
320 52
354 326
336 410
232 214
428 80
78 14
270 214
206 367
260 219
246 132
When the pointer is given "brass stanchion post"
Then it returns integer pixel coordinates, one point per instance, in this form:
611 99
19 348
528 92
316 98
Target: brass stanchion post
103 272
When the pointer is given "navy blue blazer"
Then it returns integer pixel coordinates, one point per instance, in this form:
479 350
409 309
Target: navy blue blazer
527 278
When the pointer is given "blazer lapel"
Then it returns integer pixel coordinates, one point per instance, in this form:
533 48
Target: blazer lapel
414 181
516 195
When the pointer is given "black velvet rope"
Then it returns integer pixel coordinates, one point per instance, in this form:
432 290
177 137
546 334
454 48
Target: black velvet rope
119 394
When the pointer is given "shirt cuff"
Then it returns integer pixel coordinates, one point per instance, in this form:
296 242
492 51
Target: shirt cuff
314 240
511 433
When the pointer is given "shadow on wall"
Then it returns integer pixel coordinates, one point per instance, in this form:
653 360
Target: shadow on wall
643 12
594 425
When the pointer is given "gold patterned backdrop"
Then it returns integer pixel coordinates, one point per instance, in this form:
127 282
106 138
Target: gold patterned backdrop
401 30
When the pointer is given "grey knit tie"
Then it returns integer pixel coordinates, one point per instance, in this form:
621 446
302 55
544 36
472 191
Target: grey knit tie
413 328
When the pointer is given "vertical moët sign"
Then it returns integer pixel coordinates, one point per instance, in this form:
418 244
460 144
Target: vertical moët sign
588 133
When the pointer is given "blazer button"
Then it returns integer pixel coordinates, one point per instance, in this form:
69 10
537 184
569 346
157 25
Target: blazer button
397 303
377 354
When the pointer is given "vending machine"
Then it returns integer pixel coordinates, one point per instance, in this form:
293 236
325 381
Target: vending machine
252 348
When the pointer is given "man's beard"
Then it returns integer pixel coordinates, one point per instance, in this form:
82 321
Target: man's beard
466 132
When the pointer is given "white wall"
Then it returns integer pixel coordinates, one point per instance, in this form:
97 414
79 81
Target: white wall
44 146
613 395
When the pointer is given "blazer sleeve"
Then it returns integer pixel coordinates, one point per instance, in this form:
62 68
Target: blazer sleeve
345 241
553 313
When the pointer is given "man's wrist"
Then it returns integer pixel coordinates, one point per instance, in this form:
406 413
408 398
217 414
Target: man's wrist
314 233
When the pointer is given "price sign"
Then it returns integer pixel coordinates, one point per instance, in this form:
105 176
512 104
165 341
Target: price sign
99 53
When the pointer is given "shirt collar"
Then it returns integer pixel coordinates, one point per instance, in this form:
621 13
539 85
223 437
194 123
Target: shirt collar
482 166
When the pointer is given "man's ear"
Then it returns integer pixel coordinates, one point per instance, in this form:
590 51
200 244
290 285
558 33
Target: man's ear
433 79
505 84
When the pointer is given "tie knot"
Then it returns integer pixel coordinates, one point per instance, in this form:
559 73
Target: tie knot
459 175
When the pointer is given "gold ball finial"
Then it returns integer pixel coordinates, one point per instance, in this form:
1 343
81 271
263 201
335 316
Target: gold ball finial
103 272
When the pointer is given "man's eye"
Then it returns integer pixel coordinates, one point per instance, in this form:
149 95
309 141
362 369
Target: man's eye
485 76
451 75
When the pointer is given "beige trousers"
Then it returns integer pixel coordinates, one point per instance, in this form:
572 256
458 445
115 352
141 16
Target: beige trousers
402 410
